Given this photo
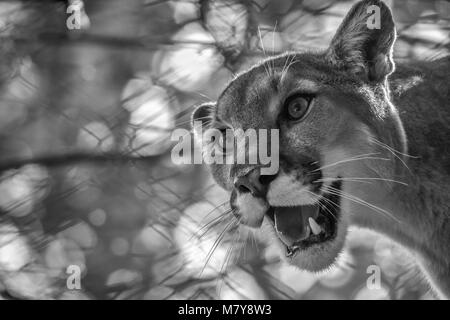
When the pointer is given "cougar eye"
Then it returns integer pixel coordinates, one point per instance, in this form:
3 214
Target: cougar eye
297 107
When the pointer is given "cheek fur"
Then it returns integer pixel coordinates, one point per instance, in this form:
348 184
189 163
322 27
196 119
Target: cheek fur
285 190
252 209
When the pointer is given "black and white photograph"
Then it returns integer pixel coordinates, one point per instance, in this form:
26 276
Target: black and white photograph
235 151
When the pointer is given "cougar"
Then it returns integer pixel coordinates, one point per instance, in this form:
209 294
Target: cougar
362 141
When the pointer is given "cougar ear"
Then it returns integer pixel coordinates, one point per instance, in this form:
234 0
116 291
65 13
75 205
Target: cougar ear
363 43
202 116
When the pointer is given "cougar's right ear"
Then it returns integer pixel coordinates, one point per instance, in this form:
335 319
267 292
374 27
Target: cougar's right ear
202 117
364 41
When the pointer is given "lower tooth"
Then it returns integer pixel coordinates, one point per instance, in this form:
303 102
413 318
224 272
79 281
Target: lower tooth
308 232
290 251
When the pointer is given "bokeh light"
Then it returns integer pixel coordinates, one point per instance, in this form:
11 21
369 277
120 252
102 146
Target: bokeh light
96 107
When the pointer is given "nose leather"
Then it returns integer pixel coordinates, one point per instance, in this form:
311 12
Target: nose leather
253 182
249 184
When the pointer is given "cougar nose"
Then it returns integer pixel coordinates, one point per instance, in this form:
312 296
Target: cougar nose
254 183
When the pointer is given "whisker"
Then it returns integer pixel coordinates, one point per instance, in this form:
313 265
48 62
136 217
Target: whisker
322 205
392 149
379 143
211 224
284 66
261 42
208 227
350 160
217 242
331 202
360 201
208 98
180 123
361 179
215 208
343 179
328 210
206 123
354 157
292 61
264 51
273 46
224 268
228 254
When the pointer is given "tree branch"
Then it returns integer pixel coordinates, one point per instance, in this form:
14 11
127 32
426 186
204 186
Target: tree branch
79 158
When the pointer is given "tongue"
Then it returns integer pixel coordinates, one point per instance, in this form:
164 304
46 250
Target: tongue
292 224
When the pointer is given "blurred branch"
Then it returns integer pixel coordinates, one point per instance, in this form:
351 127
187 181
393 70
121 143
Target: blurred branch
77 158
55 38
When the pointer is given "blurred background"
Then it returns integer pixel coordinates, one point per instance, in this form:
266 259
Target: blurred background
90 92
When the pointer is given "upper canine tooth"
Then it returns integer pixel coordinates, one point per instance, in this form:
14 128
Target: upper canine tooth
316 229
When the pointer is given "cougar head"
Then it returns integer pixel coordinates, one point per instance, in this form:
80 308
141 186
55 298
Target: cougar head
334 119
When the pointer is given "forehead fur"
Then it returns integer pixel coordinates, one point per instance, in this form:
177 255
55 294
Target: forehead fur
253 98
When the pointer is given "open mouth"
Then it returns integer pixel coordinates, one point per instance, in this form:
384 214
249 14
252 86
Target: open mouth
301 227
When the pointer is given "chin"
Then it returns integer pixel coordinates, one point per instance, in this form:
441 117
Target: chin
317 250
316 257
